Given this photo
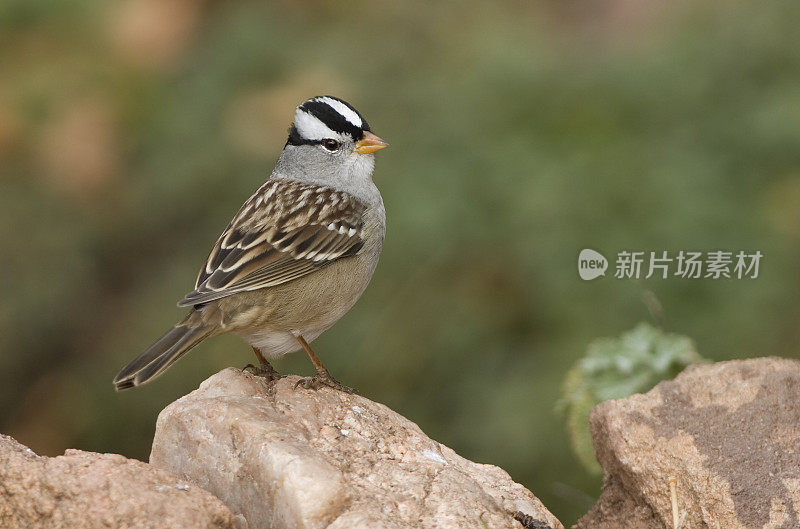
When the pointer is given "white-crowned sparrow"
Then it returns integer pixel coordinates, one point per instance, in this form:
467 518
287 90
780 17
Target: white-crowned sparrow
297 255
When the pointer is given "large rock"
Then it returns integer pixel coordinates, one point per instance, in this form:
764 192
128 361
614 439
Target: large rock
295 458
88 490
728 434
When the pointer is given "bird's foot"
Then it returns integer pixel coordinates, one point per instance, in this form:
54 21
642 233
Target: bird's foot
263 370
322 379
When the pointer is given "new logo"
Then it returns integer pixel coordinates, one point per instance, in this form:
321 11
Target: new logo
591 264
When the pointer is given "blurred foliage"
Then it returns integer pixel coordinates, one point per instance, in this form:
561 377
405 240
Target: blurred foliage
520 131
615 368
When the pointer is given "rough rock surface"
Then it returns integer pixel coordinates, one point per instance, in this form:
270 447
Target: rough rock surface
296 458
88 490
729 435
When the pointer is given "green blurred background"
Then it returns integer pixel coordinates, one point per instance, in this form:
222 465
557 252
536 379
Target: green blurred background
521 132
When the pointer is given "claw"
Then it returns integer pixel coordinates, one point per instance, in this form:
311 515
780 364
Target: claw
265 370
318 381
249 368
322 378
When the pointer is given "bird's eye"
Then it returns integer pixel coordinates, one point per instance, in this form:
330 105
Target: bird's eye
330 144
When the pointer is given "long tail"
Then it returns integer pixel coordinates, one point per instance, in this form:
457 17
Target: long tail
162 354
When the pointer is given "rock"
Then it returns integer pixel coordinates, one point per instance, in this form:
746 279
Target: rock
297 458
90 490
729 436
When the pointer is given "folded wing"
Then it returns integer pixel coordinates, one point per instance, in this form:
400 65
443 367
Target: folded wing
286 230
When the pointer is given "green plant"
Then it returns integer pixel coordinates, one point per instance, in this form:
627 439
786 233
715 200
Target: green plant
614 368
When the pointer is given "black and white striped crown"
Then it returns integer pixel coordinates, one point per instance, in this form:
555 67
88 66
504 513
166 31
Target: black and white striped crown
324 117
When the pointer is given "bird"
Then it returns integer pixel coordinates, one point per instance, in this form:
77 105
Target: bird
297 255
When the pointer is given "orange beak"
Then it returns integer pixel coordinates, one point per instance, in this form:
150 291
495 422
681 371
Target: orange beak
370 143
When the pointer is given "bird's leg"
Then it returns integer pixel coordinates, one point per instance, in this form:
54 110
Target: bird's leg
322 378
263 369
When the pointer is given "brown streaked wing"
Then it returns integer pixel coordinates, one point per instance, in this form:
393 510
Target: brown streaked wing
284 231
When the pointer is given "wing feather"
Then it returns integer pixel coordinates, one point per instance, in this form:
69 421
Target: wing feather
286 230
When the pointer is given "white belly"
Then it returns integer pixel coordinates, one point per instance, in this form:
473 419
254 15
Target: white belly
275 343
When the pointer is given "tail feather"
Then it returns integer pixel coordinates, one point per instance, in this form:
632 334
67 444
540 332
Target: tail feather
159 356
